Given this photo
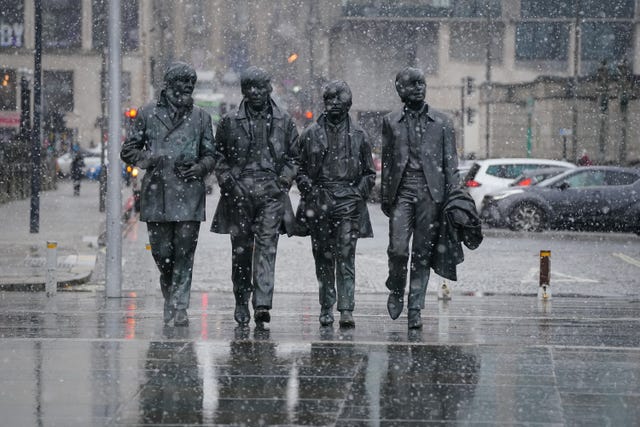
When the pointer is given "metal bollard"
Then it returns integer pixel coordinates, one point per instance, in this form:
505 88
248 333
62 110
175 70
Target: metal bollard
444 292
149 288
51 284
544 289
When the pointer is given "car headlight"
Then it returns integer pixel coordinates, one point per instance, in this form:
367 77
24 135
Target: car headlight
505 194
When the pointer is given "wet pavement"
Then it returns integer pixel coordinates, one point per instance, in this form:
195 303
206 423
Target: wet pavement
78 359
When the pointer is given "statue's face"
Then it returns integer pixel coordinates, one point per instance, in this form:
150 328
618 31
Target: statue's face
179 91
336 105
257 94
412 88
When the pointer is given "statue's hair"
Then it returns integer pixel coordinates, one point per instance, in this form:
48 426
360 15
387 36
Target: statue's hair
337 86
254 75
408 71
178 70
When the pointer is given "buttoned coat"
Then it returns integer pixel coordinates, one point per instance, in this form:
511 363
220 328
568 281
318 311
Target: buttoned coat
313 149
155 140
438 153
232 143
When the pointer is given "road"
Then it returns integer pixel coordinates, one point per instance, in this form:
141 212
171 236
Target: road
593 264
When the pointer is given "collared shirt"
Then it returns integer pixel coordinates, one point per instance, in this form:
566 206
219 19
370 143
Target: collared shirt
338 157
416 127
259 158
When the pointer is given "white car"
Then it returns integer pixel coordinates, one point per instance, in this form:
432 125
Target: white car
486 176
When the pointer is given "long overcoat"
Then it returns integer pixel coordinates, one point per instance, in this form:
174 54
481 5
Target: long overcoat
313 149
232 143
155 141
438 151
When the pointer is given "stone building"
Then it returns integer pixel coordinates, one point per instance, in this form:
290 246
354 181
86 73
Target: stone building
496 47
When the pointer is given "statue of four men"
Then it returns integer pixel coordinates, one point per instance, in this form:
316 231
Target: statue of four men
256 156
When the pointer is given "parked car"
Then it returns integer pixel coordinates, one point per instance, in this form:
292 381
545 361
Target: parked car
463 169
489 175
534 176
597 198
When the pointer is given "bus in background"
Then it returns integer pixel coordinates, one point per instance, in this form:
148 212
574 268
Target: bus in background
213 103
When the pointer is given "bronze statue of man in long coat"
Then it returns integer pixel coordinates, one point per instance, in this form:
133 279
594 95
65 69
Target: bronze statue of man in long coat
172 139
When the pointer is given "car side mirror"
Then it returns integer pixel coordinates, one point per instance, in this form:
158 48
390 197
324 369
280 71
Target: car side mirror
564 185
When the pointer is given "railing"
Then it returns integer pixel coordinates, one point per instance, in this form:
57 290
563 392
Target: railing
15 179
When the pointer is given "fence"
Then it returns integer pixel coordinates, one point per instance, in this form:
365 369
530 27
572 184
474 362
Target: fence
15 179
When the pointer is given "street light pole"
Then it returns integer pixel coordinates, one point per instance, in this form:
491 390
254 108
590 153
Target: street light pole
36 134
576 64
114 197
463 88
530 103
487 130
603 107
624 94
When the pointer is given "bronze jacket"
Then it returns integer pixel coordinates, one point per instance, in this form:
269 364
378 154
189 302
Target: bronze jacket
439 156
232 144
313 149
154 143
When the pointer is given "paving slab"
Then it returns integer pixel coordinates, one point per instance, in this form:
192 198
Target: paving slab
80 359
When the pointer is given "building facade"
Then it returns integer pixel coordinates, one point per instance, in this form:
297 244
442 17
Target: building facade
473 51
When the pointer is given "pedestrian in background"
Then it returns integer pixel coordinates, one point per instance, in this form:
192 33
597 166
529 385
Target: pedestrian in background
256 162
419 170
173 140
77 167
335 178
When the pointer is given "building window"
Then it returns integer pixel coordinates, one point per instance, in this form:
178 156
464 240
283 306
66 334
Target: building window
468 41
547 8
57 91
567 8
423 8
129 25
8 89
61 24
547 41
607 9
12 25
604 41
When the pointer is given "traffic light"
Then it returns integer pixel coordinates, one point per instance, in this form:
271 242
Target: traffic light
470 113
131 113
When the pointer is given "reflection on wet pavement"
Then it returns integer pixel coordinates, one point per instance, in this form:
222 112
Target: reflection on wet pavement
82 360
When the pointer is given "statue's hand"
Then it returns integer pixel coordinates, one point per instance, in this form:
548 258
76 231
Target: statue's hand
152 162
192 172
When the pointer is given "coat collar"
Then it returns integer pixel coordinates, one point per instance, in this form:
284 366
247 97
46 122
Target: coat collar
241 114
425 110
352 125
164 109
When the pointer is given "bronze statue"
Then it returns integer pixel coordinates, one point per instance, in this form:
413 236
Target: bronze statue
172 139
419 171
256 155
335 178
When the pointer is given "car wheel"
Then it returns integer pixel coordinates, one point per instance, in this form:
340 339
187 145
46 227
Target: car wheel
526 217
